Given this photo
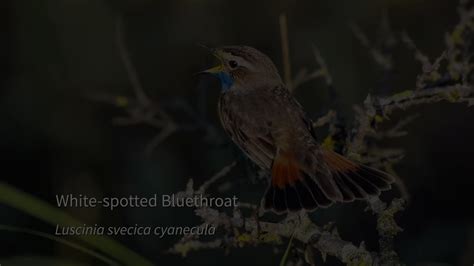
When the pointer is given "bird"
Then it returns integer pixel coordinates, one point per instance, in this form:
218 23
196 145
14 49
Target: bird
260 115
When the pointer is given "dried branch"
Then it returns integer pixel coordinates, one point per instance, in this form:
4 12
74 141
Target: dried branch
285 49
322 72
183 248
223 172
397 130
377 109
323 66
429 71
387 228
377 55
325 119
252 231
131 71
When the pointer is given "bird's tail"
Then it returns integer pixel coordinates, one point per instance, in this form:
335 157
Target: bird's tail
337 179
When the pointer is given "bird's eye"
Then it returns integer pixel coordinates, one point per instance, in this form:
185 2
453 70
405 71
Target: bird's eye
233 64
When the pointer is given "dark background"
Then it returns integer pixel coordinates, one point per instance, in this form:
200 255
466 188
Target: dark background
55 139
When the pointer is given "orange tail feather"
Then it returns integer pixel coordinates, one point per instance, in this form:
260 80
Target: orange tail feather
293 189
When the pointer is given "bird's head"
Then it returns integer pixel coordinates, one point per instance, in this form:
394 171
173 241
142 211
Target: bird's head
243 66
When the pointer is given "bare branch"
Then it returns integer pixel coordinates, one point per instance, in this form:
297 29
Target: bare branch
325 119
223 172
131 71
322 64
160 137
387 228
321 72
380 58
429 71
285 49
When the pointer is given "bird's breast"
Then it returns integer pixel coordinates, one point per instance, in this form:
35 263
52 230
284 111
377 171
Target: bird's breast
246 106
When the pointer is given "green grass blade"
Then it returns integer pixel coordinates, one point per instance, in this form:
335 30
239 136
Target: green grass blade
42 210
284 259
14 229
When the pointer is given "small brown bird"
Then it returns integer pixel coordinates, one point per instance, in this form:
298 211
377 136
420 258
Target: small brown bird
261 116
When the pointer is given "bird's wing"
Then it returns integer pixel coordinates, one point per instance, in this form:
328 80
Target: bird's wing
262 123
251 134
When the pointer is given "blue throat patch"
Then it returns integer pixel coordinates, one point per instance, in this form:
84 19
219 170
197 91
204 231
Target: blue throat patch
225 79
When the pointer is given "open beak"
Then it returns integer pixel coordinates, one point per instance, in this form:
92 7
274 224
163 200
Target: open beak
214 70
218 68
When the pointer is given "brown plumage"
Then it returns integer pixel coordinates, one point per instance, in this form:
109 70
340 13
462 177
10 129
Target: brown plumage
271 128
